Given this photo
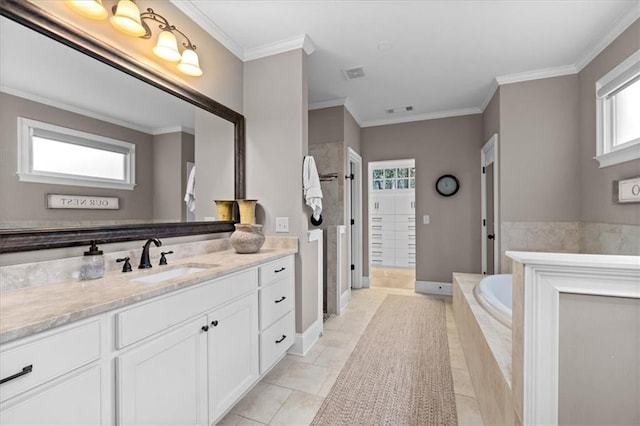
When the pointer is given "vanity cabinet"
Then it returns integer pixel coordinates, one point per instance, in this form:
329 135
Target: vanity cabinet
165 381
232 353
57 377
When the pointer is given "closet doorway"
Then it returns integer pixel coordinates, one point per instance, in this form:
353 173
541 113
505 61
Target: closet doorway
392 223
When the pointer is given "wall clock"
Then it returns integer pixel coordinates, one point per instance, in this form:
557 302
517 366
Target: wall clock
447 185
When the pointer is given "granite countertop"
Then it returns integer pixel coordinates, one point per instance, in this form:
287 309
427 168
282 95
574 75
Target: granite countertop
31 310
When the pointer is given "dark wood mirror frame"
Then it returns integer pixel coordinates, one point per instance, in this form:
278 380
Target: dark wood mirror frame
15 240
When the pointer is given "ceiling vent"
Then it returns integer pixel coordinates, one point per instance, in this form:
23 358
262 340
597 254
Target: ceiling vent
399 109
353 73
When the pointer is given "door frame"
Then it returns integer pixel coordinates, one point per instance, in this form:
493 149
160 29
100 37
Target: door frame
490 154
354 255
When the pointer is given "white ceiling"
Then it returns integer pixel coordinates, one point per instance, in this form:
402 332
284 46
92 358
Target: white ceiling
446 56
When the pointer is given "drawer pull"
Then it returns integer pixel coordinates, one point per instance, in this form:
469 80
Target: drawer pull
280 300
214 323
376 252
279 270
25 370
280 340
205 328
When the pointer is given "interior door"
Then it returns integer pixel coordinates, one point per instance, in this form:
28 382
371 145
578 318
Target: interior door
490 240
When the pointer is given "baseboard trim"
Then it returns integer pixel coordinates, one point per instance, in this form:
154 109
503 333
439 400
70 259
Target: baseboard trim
303 342
345 298
434 287
365 282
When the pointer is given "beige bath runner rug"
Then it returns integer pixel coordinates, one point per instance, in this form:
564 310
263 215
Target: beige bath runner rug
399 373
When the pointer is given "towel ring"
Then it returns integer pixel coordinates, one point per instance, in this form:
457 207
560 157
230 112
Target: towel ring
315 222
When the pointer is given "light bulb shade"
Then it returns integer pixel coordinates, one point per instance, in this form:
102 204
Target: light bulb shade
92 9
167 47
190 64
127 19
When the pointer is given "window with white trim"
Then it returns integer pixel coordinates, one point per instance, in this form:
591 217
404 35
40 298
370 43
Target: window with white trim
618 113
58 155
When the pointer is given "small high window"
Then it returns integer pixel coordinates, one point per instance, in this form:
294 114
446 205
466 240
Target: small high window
57 155
618 113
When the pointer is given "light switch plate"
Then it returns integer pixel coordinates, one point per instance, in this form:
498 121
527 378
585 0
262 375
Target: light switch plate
282 224
426 219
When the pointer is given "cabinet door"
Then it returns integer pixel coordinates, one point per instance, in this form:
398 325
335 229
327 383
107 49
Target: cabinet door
233 353
163 382
75 399
382 204
405 204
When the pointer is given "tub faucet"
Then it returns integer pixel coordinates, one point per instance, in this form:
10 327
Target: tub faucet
144 259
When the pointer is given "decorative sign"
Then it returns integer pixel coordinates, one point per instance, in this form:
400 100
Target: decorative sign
56 201
629 190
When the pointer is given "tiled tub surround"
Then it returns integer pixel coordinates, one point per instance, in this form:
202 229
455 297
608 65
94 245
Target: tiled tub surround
559 237
608 238
45 304
568 237
487 347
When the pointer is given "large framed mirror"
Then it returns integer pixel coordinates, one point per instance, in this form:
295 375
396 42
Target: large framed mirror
182 115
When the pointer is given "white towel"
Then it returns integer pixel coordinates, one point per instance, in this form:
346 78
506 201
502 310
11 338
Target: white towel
311 185
190 196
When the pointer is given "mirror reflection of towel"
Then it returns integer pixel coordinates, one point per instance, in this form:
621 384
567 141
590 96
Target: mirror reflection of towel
311 185
190 196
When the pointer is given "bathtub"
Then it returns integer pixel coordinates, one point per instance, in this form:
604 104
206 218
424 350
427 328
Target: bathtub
494 294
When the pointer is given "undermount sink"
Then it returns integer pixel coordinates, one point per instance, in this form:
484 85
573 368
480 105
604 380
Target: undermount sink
179 271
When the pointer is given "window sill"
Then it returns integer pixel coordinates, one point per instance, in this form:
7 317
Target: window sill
55 180
618 156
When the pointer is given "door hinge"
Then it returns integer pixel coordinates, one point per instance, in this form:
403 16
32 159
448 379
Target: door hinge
484 222
353 267
351 176
353 222
483 170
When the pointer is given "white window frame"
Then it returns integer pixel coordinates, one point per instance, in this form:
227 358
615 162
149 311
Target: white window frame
28 128
606 153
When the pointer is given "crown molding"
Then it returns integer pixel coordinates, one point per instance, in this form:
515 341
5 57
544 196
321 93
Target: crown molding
194 13
492 91
298 42
624 23
328 104
173 129
423 117
537 74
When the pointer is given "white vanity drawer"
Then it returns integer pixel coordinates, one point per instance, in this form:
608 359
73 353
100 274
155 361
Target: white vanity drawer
50 355
382 218
404 261
275 301
382 235
405 218
382 251
157 315
382 227
405 227
275 341
275 270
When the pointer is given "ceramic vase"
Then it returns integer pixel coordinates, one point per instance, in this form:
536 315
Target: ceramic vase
247 211
247 238
225 209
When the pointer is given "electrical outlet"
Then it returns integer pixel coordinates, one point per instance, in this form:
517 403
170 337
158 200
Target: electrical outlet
282 224
426 219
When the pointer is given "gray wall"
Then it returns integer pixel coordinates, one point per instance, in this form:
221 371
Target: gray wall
599 372
326 125
491 117
171 151
352 132
451 243
539 168
136 204
275 101
596 184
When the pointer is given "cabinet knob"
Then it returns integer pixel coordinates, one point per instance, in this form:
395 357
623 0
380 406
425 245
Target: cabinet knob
205 328
214 323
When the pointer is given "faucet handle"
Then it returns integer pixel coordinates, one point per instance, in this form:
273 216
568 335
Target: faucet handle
163 259
127 266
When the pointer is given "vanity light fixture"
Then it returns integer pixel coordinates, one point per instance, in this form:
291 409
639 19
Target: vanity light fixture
92 9
128 20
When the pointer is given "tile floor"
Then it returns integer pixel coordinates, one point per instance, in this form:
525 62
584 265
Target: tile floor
292 392
392 277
